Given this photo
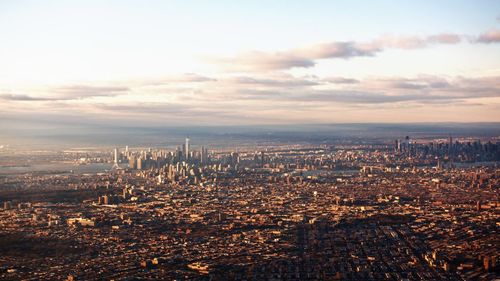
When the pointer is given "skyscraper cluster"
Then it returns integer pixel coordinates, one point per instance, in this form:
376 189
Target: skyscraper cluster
147 159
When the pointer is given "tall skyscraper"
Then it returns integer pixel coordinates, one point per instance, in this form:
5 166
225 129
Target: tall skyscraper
186 148
450 147
407 145
203 156
115 160
397 145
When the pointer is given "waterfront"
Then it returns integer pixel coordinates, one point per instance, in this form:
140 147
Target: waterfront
55 168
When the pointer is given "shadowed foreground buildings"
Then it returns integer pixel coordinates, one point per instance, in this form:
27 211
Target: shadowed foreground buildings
343 211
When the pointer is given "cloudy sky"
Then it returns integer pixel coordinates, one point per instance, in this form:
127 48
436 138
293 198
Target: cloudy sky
185 62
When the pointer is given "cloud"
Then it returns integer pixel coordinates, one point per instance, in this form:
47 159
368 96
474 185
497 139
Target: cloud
343 50
256 60
375 98
415 42
276 82
357 97
66 93
352 97
145 108
170 111
424 89
307 57
192 77
396 90
340 80
427 89
182 78
12 97
84 91
421 83
444 38
304 58
492 36
270 97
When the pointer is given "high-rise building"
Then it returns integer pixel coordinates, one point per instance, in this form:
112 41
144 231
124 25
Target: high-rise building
186 150
139 163
132 162
203 156
115 160
235 158
407 146
450 147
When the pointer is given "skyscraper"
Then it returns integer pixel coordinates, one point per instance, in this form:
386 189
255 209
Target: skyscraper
203 156
450 147
115 160
186 148
132 162
139 163
407 146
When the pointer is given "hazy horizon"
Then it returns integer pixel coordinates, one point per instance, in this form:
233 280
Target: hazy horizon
108 136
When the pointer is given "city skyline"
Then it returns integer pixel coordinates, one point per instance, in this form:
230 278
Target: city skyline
189 63
250 140
402 208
